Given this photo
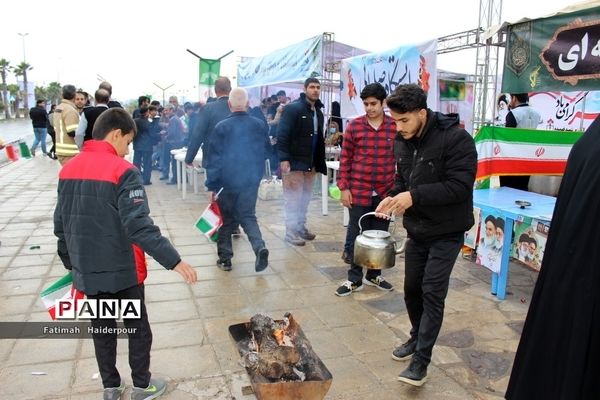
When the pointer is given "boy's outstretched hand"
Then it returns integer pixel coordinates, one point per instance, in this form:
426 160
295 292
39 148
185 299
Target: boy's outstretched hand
186 271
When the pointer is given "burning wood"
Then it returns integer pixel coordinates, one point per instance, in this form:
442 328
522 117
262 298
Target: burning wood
278 350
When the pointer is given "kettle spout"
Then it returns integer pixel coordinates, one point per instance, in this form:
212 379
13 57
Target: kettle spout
400 249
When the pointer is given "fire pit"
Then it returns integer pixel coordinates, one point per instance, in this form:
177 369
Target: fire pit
280 360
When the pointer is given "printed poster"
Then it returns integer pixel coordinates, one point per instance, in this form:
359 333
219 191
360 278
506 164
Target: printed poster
491 234
529 243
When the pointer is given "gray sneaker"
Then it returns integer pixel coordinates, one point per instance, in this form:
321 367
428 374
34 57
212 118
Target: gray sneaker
156 387
115 392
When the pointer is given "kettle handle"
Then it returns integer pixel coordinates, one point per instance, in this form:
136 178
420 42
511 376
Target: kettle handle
375 213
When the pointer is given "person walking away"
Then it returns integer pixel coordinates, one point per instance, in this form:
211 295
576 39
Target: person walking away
436 162
237 151
301 150
39 120
366 175
103 228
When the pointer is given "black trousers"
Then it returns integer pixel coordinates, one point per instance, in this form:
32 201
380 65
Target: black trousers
355 273
142 159
428 265
105 344
238 208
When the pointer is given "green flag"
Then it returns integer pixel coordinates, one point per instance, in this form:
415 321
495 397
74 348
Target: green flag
209 71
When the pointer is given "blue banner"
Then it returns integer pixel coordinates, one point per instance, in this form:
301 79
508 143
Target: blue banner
291 64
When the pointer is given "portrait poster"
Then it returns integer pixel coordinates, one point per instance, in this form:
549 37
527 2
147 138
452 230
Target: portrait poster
491 241
530 242
472 234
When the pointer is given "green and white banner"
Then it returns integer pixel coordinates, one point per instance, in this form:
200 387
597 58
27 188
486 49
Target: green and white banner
560 53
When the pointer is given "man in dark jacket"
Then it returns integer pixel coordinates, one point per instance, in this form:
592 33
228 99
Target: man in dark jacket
301 150
436 166
236 157
148 134
103 227
213 113
39 120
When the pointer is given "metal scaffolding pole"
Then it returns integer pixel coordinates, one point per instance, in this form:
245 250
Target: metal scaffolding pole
486 67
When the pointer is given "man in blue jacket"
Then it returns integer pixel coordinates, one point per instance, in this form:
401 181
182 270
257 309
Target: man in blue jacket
103 227
236 155
436 163
301 150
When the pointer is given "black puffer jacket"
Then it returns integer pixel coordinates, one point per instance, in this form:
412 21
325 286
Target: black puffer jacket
439 171
295 135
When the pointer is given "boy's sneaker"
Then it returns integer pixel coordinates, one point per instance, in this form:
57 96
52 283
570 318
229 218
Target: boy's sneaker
224 265
306 234
262 260
405 350
379 282
347 288
115 392
415 374
156 387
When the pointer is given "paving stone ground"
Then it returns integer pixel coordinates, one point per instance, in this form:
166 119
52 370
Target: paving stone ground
354 335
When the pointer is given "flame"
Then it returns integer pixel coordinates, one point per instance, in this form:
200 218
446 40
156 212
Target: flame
279 336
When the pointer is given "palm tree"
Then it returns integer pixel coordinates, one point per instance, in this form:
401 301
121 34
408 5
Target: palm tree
41 92
16 93
4 68
54 91
21 70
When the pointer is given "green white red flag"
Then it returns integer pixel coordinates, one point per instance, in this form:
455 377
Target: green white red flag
62 289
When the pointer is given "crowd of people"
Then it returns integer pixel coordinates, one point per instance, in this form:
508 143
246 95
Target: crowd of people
414 162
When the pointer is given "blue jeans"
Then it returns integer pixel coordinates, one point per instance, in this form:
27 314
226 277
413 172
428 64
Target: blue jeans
40 137
238 208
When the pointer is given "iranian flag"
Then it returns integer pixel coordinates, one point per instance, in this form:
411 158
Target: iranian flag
514 151
62 289
210 221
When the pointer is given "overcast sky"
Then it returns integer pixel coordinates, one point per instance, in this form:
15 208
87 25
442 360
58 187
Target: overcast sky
134 44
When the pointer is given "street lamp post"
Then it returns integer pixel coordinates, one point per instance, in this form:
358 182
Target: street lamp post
163 90
23 38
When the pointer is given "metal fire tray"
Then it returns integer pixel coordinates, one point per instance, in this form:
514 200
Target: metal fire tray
264 389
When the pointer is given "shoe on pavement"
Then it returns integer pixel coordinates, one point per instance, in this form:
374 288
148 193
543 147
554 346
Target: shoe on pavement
346 257
156 387
262 260
172 183
114 393
348 287
164 178
379 282
294 239
415 374
224 265
405 350
306 234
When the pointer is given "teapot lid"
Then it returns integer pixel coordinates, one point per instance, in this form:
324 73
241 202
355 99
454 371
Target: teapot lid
376 234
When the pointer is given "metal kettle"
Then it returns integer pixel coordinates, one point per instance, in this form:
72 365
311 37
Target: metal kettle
375 249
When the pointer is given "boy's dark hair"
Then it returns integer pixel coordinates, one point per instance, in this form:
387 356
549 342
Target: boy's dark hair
374 90
39 101
152 108
111 119
407 98
308 81
142 99
155 103
521 97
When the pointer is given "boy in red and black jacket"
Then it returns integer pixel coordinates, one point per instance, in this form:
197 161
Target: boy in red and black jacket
103 227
